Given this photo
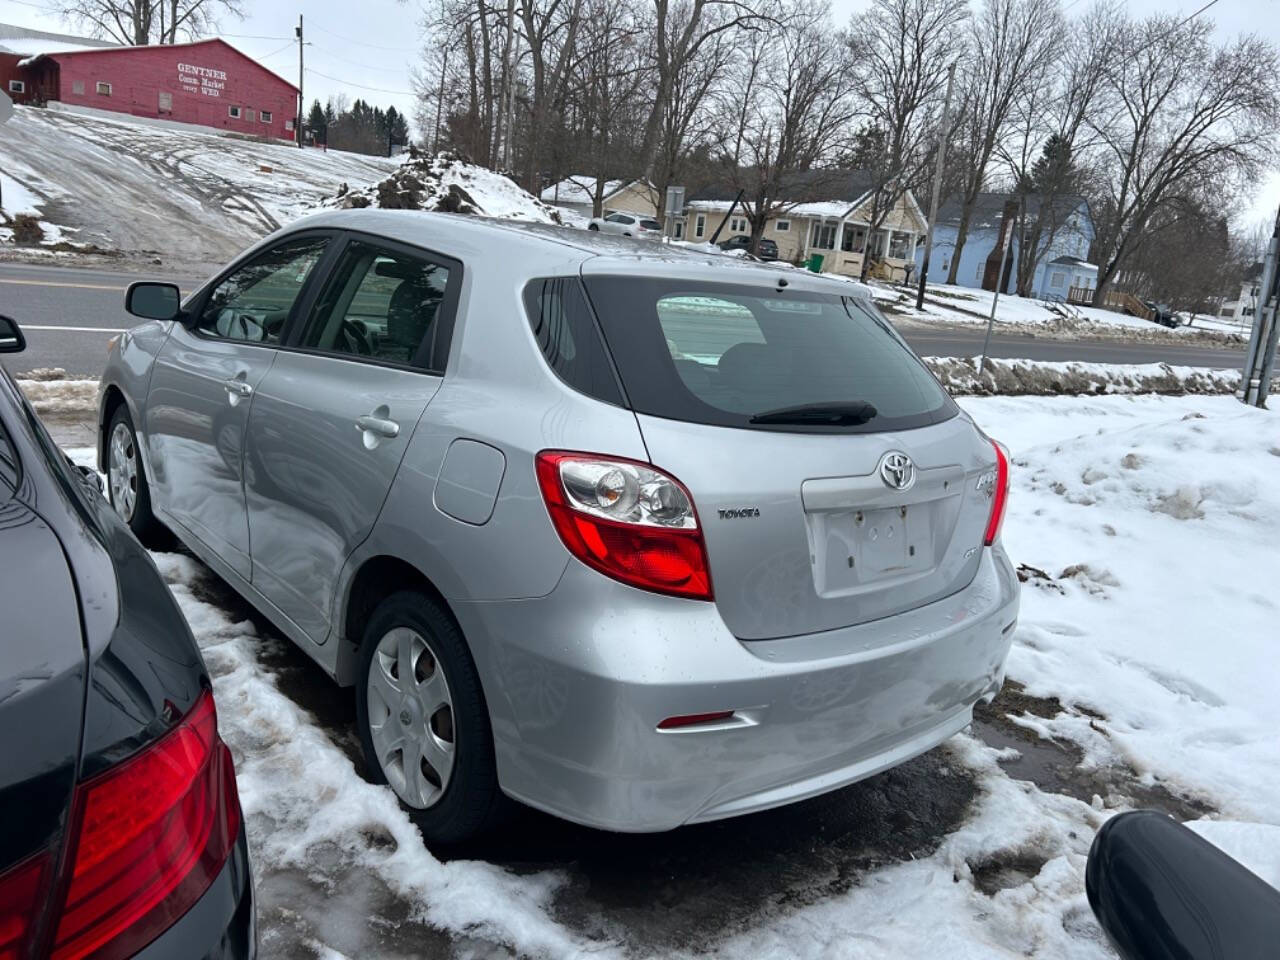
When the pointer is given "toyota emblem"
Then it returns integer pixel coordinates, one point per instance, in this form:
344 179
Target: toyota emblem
897 471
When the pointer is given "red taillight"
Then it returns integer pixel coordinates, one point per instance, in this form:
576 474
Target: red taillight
147 838
22 889
628 520
695 719
999 495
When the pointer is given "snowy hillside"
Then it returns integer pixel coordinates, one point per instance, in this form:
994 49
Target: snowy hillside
185 194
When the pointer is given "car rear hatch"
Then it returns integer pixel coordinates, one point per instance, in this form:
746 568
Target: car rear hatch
835 481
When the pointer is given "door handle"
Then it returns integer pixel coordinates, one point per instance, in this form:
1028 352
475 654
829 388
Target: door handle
378 425
237 387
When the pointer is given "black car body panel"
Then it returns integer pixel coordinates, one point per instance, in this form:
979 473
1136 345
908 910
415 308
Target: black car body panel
1162 892
96 659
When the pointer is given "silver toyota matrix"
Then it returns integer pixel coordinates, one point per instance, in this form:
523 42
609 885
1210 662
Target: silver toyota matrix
632 534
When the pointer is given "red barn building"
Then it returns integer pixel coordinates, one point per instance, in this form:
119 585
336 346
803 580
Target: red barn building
208 82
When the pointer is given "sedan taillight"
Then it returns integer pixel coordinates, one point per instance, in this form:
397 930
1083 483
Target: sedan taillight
628 520
146 839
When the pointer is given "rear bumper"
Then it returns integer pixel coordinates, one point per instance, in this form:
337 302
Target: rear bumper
578 681
221 925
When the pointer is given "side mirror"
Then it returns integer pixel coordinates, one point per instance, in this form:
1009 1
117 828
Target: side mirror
1160 890
153 301
11 338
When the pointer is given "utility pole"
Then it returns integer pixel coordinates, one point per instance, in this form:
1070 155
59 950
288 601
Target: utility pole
937 184
435 140
297 124
1260 358
991 320
510 85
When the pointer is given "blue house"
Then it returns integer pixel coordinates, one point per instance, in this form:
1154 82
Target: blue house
1066 235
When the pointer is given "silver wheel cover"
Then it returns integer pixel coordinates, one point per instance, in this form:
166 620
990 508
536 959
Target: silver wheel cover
411 717
122 471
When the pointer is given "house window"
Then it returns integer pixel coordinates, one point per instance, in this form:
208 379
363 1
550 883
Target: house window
264 116
823 236
1057 279
853 239
166 102
103 88
17 86
679 229
248 115
77 87
900 245
738 225
700 225
289 124
782 226
233 112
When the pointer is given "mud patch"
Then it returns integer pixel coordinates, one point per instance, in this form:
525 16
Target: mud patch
1054 766
689 888
1004 872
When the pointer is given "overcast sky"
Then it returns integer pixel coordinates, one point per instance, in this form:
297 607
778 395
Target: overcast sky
371 46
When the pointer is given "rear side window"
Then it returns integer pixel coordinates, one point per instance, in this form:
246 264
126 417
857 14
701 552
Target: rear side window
569 339
723 354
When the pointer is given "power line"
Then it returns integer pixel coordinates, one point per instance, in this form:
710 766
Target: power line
361 43
355 63
249 36
360 86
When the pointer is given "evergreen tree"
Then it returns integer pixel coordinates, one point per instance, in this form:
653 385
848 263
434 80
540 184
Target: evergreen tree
1054 171
318 123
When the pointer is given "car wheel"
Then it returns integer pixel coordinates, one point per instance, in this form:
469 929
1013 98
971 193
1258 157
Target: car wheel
424 723
127 481
592 226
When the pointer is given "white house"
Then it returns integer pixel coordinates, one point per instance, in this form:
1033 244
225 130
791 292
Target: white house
577 193
1244 306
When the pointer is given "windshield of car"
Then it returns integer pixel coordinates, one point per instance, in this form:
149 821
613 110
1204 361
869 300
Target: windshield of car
726 354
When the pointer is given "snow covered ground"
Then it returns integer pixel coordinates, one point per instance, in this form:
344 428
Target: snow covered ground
954 304
186 194
1148 526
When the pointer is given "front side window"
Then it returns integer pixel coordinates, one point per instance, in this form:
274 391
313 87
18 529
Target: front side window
254 301
651 224
724 354
381 305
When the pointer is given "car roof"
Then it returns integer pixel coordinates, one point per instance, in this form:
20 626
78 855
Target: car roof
594 252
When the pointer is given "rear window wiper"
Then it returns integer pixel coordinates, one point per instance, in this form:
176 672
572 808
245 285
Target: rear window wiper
840 414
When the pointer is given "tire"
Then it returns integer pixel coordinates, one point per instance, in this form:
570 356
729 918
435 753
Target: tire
457 804
127 487
592 226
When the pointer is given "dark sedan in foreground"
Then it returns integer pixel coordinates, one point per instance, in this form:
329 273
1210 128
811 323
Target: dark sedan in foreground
120 826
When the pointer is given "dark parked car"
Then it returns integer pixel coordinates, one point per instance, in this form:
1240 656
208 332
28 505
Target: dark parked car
1162 313
120 826
768 249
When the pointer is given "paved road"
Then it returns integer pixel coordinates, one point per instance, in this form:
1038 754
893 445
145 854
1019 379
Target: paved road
69 314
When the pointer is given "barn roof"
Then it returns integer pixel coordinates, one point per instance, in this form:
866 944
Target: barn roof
59 54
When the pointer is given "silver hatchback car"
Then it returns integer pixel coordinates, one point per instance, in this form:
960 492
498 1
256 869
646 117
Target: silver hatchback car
638 536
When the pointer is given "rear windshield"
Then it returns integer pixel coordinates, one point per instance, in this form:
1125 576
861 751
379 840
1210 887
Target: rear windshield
722 354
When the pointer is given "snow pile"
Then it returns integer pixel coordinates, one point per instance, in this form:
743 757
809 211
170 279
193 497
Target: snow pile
52 393
446 183
965 305
1044 377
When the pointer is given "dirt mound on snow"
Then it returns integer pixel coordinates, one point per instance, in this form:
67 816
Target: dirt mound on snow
447 183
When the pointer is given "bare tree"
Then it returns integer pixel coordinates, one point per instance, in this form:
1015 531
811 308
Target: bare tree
787 105
680 31
142 22
902 49
1013 45
1190 117
550 34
